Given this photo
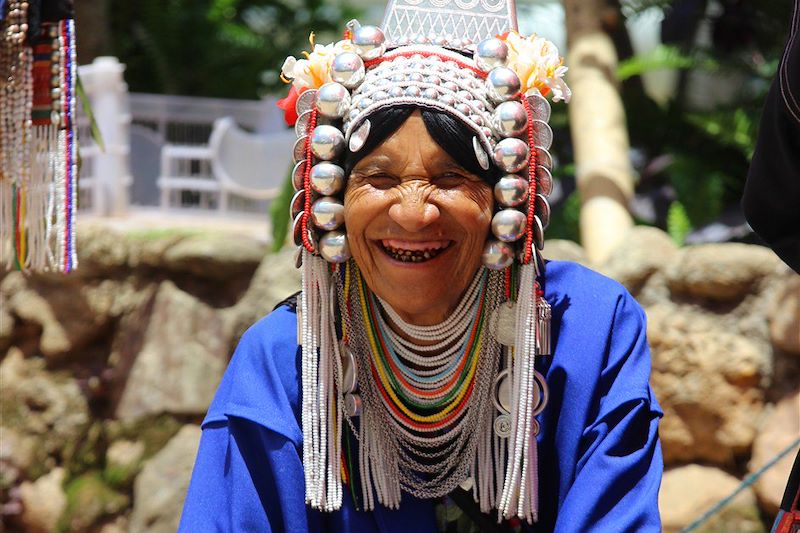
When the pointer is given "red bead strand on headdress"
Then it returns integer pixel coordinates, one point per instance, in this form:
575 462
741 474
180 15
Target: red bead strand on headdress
378 60
531 183
312 123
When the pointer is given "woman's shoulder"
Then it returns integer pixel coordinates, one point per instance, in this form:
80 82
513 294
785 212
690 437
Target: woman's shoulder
261 383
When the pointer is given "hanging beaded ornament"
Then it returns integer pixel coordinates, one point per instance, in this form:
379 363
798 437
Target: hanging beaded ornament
38 156
462 411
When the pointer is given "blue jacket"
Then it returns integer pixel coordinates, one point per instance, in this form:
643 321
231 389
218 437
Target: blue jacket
599 454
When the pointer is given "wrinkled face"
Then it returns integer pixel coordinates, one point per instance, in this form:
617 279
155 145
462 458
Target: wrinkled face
416 223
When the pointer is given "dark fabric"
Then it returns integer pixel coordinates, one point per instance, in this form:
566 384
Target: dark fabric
771 200
599 455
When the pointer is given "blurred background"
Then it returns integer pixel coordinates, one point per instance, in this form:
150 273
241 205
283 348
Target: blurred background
107 373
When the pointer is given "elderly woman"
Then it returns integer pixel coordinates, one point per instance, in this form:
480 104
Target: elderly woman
432 358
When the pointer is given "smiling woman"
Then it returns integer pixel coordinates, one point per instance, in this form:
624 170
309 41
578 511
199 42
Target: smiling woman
433 358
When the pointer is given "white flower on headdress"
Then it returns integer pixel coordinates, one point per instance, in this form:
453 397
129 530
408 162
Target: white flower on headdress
315 70
538 65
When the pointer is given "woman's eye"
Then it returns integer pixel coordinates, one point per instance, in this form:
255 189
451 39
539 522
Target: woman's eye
381 181
450 180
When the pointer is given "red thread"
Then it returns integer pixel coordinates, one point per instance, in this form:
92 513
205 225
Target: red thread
531 183
312 123
443 57
508 283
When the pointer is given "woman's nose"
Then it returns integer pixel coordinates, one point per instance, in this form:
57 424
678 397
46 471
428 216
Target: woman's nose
413 211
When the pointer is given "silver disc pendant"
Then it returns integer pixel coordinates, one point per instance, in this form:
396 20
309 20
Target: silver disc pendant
299 149
305 102
538 232
543 393
502 426
504 323
542 134
297 203
542 209
502 392
540 107
298 175
480 154
544 181
543 157
301 126
349 370
359 137
352 405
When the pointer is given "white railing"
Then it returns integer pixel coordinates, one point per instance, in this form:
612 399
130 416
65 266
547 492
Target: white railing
148 137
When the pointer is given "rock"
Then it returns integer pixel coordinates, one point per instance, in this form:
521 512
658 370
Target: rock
642 251
123 459
43 502
710 384
784 317
119 525
101 250
778 431
564 250
275 279
720 272
215 256
689 491
43 406
160 489
6 324
90 502
183 350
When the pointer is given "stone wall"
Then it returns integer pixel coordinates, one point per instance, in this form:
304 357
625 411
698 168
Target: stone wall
107 373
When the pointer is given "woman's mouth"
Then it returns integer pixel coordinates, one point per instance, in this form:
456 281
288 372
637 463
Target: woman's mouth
413 251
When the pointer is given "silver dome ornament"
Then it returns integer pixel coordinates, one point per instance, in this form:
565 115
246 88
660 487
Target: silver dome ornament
542 134
544 181
305 101
326 178
510 119
333 247
491 53
502 84
508 225
359 137
380 95
347 68
297 203
333 100
298 175
502 383
450 86
352 405
349 370
480 154
448 100
430 93
327 142
327 213
299 149
463 108
541 207
497 255
511 154
416 77
540 107
369 42
511 190
413 91
396 91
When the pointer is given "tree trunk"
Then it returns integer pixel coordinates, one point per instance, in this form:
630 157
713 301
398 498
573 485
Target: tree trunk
599 131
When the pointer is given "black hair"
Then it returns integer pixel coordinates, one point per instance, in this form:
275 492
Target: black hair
448 132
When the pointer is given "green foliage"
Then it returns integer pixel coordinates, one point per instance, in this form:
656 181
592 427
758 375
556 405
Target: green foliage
661 57
565 222
220 48
89 500
678 224
279 214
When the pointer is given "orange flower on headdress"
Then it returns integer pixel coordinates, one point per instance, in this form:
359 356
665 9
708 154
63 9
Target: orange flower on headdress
315 70
538 65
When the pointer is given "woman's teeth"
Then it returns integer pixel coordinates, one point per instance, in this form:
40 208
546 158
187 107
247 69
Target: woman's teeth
413 256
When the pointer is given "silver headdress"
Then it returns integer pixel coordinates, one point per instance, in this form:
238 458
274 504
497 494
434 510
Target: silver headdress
464 58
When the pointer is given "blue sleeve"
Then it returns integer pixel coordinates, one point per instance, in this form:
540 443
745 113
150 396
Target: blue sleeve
620 466
246 479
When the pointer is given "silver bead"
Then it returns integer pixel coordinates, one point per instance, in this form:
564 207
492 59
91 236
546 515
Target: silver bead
430 93
440 41
353 114
433 79
413 91
497 255
450 86
398 77
487 131
465 95
327 213
491 53
333 100
502 84
364 103
508 225
396 91
511 154
352 405
461 107
510 119
347 68
416 77
55 93
380 95
448 100
326 178
327 142
477 119
333 247
510 190
478 105
369 42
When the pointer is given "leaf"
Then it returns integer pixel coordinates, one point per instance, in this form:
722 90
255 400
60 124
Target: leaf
279 213
678 224
663 56
87 109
